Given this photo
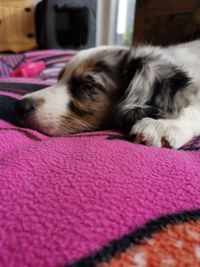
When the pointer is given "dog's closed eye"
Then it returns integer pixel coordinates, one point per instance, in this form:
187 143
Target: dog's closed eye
81 87
78 110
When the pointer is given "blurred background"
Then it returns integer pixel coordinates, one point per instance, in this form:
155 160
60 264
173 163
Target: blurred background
77 24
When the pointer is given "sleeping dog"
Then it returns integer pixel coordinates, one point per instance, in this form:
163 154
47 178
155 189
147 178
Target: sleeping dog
151 92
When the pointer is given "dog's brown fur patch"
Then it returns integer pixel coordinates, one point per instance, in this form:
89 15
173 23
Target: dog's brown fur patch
38 102
94 117
83 68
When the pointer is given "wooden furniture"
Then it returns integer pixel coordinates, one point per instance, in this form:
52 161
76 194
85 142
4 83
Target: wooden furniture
163 22
17 29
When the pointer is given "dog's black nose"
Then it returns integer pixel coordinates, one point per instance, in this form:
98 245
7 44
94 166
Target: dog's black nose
23 107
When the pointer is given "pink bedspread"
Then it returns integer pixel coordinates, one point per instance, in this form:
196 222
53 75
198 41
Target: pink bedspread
63 199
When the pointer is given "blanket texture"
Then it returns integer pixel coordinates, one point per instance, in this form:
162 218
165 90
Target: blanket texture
93 199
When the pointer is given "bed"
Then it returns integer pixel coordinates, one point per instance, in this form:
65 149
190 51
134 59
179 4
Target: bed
94 199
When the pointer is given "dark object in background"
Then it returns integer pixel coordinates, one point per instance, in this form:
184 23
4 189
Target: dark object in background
66 24
166 22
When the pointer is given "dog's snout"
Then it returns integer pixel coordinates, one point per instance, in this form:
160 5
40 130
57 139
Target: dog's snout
24 106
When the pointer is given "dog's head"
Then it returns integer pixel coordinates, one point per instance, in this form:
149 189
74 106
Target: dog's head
104 85
83 98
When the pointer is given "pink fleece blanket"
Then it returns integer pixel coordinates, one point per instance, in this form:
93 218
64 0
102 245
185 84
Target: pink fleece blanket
64 200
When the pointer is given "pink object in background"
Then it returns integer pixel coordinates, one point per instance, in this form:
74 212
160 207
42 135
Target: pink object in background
29 69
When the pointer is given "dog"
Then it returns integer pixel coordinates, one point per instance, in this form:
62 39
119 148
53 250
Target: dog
148 91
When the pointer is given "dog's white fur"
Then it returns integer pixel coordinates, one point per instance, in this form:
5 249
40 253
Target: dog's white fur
55 105
177 131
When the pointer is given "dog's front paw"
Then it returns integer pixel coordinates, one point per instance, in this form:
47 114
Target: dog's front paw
160 133
148 131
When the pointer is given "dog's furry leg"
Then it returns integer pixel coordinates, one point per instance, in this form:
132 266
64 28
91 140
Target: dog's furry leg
173 132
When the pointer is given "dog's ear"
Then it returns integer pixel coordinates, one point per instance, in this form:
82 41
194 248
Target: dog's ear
168 90
155 89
